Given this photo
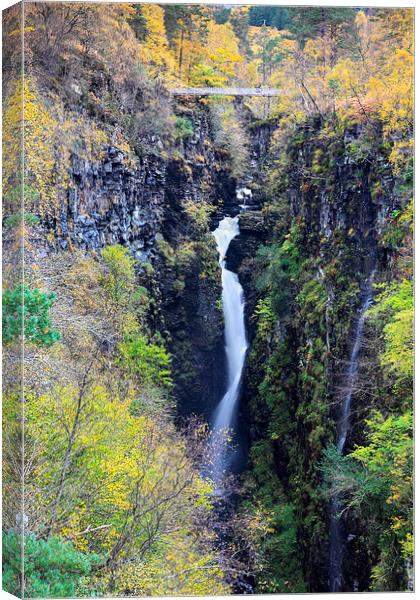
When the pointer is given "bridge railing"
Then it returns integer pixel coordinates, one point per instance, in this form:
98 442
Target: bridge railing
224 91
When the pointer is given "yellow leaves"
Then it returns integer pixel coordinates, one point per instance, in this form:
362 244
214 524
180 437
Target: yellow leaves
398 27
408 545
18 32
222 36
28 131
395 496
199 214
154 17
406 539
361 19
224 60
49 135
260 523
155 50
202 491
393 92
76 525
182 567
222 49
345 74
120 466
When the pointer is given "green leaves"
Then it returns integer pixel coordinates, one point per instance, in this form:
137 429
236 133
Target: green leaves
21 194
23 306
283 269
149 362
19 218
184 128
119 279
394 314
52 567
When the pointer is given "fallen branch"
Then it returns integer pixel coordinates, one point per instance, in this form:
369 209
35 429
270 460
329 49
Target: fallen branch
312 99
88 530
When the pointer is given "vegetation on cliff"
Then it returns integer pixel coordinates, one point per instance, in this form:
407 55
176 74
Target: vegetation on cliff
337 175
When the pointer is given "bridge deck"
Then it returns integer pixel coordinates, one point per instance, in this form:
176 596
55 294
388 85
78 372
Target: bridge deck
226 91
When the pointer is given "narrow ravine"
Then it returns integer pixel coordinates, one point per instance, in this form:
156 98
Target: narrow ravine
337 533
235 348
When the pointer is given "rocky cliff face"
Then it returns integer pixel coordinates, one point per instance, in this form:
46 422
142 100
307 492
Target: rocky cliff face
330 200
143 208
112 203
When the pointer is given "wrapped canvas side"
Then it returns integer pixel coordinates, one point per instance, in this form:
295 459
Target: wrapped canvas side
15 522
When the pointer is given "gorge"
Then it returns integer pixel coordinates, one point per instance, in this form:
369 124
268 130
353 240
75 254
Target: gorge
218 301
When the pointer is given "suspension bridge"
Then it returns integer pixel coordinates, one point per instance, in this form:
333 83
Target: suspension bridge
224 91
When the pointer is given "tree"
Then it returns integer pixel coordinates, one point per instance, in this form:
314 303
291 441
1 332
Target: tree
23 306
119 279
393 313
388 460
206 75
139 23
53 29
52 568
269 51
184 128
186 28
114 481
376 480
271 16
155 49
239 19
223 49
306 23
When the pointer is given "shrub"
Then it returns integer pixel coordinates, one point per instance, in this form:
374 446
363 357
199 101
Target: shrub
17 218
149 362
150 400
184 128
199 213
283 269
394 314
21 193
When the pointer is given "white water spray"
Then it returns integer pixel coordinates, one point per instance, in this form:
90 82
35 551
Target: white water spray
235 345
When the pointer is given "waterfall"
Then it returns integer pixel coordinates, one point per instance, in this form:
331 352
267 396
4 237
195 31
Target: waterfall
235 347
344 423
337 532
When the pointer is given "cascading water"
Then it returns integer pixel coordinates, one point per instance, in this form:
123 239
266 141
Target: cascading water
235 348
337 540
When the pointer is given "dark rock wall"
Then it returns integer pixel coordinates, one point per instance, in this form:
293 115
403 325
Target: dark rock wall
331 200
111 203
141 208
